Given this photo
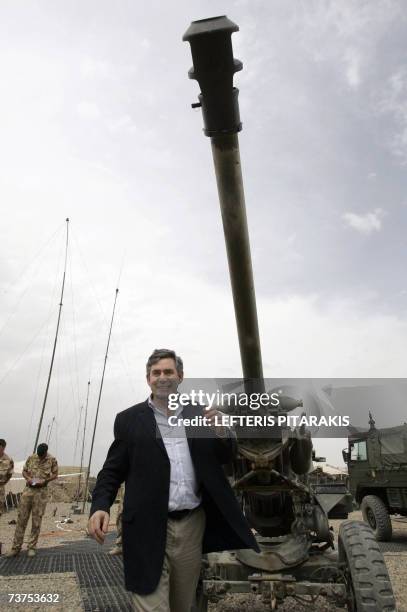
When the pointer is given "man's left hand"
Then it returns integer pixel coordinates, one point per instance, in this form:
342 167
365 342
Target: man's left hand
212 414
221 431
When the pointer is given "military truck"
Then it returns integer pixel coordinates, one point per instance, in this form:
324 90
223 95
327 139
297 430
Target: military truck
377 466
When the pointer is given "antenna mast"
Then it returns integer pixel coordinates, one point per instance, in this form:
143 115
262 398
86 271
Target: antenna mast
83 442
55 341
77 434
49 430
98 404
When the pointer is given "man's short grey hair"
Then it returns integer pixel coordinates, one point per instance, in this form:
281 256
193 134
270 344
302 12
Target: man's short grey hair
165 354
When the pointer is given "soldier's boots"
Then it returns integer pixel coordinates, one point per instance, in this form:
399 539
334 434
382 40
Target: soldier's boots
116 550
31 552
13 552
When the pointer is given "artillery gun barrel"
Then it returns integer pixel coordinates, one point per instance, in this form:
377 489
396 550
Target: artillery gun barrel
214 67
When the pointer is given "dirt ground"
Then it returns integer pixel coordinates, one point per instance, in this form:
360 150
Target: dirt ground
60 592
55 531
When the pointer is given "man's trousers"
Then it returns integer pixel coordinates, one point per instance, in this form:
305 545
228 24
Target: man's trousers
2 498
31 502
181 569
119 525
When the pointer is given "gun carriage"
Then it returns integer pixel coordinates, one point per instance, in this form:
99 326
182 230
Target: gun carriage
298 556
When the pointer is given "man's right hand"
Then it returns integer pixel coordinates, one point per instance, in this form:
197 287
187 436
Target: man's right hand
98 524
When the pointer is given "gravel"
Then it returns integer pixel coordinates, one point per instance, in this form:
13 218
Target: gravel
65 585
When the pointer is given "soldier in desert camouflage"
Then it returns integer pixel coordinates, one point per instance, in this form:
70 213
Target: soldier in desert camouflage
6 472
117 548
39 469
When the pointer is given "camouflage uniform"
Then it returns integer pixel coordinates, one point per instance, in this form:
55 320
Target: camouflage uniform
119 519
6 471
33 500
117 548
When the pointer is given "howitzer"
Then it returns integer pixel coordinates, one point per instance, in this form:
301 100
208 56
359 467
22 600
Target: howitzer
269 474
264 463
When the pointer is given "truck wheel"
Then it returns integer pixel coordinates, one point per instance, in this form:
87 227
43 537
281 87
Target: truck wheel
367 578
376 514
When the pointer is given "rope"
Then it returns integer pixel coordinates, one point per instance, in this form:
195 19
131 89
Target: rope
45 343
75 351
22 274
117 348
11 368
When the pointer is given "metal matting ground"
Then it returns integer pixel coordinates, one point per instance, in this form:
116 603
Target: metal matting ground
100 575
398 543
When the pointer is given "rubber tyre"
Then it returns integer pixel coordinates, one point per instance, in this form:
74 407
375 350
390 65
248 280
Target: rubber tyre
362 561
379 519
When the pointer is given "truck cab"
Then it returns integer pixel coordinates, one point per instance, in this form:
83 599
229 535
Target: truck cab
377 467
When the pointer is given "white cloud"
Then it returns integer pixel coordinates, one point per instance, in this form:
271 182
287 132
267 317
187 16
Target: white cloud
89 110
336 338
392 102
367 223
94 69
122 124
145 43
352 69
91 68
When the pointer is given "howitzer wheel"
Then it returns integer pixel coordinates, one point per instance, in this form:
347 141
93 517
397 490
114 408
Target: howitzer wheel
361 560
376 514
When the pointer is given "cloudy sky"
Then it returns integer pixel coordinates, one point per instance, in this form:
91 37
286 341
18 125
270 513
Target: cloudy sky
96 125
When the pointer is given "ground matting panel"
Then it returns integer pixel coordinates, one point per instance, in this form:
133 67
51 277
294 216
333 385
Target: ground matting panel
100 575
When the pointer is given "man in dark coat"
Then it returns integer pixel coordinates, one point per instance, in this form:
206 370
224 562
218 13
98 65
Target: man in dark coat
178 502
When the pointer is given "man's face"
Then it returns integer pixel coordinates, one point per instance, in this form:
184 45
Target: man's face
163 378
2 450
42 451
